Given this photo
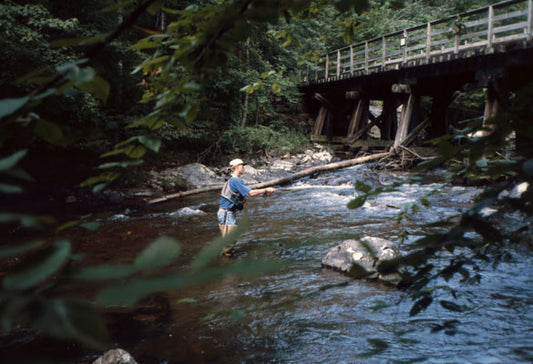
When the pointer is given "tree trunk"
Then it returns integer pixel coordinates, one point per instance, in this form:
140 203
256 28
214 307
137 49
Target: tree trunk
283 180
244 115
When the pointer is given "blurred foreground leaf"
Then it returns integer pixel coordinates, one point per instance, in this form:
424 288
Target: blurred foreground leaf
158 254
128 294
71 319
213 250
20 249
38 267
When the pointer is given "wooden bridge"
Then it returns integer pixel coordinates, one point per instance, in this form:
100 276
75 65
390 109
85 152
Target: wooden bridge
426 65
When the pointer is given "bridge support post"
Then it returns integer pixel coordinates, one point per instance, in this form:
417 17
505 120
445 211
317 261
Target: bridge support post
359 117
492 104
439 122
496 100
326 112
319 121
410 109
389 118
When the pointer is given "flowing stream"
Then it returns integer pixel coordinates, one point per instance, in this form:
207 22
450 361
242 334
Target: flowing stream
303 313
306 314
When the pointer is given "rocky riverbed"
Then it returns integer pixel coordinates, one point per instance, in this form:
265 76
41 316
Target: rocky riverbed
197 175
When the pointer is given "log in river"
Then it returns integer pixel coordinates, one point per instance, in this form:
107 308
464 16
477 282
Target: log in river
283 180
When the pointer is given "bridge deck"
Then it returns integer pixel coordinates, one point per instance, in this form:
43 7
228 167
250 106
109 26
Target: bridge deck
496 28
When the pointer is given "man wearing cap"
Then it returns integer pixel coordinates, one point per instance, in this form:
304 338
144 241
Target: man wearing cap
232 199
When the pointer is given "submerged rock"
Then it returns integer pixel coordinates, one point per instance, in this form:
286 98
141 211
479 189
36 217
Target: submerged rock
361 258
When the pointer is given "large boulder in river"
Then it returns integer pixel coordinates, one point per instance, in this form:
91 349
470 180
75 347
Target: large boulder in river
190 176
361 258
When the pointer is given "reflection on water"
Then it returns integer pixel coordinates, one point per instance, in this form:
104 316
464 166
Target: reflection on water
305 314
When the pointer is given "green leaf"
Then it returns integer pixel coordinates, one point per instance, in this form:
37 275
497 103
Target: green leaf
155 63
378 344
189 113
356 203
41 267
10 189
99 187
19 173
191 86
68 225
425 202
137 152
12 160
98 87
420 305
87 225
75 73
14 307
129 293
155 6
49 132
124 164
91 226
72 319
125 150
151 143
160 253
10 106
451 306
26 220
361 187
153 41
97 179
19 249
213 250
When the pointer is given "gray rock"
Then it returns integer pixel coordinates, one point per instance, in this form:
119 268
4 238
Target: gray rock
361 258
516 193
196 175
193 175
115 356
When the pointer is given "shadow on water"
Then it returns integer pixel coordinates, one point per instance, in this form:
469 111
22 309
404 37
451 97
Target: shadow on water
303 313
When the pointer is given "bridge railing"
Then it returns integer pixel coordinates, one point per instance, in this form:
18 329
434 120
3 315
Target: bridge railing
482 31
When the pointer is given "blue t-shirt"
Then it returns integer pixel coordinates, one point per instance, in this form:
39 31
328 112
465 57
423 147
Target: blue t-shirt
236 184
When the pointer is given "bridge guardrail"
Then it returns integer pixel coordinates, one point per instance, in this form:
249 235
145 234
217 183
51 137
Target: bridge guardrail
482 31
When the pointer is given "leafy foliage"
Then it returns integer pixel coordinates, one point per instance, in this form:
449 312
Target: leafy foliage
250 140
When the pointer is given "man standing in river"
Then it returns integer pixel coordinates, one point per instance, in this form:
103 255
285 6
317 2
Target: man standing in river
232 199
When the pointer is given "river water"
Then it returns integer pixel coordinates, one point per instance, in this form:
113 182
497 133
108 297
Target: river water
303 313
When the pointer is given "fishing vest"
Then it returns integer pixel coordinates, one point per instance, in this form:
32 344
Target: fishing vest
236 198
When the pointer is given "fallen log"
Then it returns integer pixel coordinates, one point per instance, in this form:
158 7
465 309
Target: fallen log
280 181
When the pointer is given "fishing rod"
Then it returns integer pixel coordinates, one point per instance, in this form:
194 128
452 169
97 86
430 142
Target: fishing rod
308 187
